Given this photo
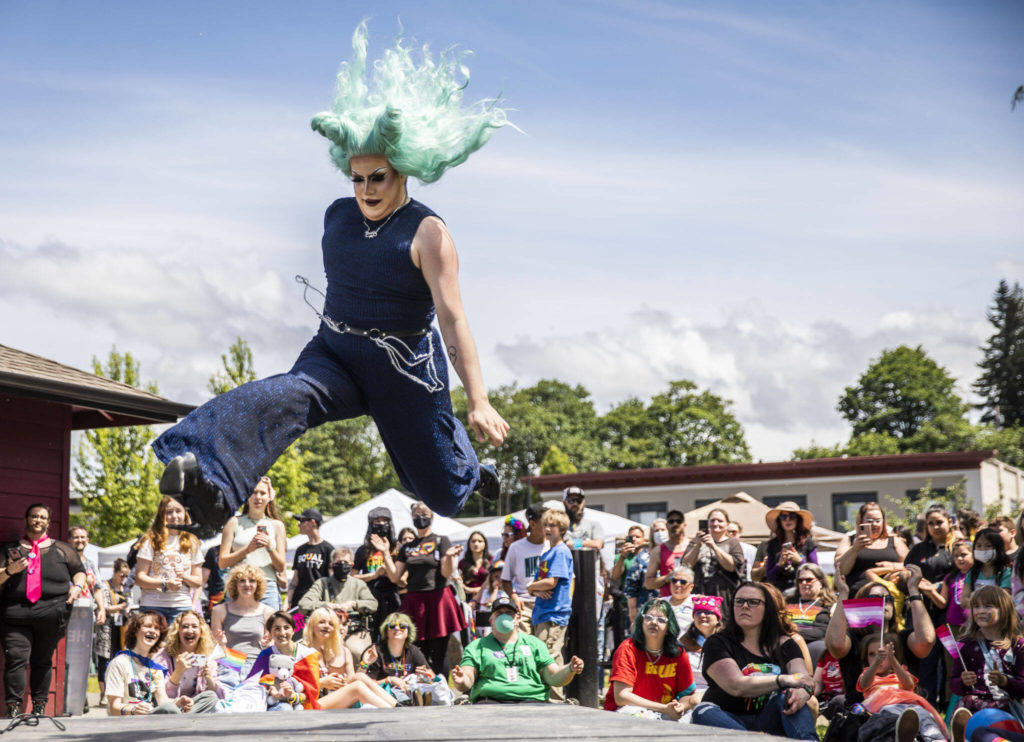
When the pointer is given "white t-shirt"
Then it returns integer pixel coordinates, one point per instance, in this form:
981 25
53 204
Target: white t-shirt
161 566
684 613
521 562
122 671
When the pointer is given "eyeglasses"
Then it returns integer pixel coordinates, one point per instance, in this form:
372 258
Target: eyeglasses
659 620
39 516
507 535
397 627
680 581
674 522
752 602
807 579
574 499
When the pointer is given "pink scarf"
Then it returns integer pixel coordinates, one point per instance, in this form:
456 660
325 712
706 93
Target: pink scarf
34 578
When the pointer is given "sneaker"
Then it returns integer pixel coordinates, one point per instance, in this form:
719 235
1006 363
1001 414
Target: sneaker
907 726
958 724
13 710
462 701
183 480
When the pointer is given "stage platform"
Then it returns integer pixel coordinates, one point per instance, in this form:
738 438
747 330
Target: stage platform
462 723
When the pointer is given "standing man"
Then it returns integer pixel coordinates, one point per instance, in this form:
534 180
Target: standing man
668 556
583 532
521 562
79 538
312 559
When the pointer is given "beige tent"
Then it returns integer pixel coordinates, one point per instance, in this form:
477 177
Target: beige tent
749 513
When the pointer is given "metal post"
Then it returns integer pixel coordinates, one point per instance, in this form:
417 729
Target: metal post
582 640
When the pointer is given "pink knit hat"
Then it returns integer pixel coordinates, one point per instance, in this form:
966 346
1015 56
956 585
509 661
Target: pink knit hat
709 603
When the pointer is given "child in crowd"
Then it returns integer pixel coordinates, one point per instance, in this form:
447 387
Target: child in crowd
992 652
552 588
888 689
991 565
952 588
828 679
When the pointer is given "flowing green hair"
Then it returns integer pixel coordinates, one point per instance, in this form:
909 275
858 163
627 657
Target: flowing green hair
410 114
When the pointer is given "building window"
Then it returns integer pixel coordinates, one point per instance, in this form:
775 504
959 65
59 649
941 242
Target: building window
701 502
938 494
646 512
773 501
845 506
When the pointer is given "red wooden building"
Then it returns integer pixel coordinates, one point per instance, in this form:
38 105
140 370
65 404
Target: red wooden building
41 402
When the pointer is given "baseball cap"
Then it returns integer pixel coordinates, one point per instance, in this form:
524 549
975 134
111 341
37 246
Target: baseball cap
311 514
502 601
571 491
534 511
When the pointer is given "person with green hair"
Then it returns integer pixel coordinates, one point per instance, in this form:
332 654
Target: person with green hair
391 268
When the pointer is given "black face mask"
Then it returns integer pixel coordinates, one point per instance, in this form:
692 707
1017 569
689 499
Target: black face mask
341 570
380 529
422 521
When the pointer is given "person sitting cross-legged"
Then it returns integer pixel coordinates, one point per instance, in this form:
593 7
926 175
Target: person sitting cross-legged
508 665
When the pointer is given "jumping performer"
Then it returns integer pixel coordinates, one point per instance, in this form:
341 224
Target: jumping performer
391 267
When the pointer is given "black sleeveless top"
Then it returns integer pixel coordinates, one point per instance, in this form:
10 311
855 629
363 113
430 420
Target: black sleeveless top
867 559
372 282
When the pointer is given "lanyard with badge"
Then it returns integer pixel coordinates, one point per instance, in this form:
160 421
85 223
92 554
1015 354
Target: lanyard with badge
511 670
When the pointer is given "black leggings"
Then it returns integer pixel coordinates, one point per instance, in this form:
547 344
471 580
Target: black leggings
436 652
30 646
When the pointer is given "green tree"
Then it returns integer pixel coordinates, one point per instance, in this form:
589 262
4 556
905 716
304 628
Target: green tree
631 437
556 462
348 464
1001 384
902 510
906 395
289 474
697 427
115 470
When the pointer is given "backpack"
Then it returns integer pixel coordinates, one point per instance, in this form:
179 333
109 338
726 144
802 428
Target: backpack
845 724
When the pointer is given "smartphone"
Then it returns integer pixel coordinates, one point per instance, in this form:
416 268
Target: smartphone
702 525
619 543
261 529
788 545
864 528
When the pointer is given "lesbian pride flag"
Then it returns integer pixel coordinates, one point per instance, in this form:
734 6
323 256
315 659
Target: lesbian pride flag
948 640
864 612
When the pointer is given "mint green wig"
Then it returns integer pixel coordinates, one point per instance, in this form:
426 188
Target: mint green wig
411 115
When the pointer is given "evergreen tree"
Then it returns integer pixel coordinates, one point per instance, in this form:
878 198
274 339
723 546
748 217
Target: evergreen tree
1001 384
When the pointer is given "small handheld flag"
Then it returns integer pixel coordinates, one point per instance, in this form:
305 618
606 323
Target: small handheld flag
232 659
945 635
863 612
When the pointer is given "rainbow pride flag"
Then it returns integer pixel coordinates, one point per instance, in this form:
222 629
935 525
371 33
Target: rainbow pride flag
306 671
862 612
233 659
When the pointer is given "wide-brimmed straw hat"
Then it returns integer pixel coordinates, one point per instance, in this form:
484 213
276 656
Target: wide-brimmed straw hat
788 507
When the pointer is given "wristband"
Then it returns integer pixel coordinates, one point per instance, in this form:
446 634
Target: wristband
916 597
778 682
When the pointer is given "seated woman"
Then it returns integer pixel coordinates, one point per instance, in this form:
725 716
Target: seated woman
398 665
191 654
992 653
340 685
238 623
790 546
651 675
681 597
811 608
889 692
757 676
135 681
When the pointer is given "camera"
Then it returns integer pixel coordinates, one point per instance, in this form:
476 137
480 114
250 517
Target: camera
198 660
138 690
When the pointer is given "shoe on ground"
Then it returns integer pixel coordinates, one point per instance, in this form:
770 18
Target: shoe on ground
958 724
489 487
13 710
907 726
417 698
462 701
428 699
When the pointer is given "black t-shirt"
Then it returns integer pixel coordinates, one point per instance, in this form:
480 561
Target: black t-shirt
215 584
367 561
718 647
312 561
59 563
422 558
387 666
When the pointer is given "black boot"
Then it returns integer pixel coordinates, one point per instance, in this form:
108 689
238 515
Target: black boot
489 487
13 710
183 480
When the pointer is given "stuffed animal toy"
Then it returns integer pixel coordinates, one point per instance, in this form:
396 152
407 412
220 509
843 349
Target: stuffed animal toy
281 667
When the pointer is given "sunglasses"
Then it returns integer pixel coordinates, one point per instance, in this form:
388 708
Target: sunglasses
788 516
397 627
807 579
674 522
752 602
659 620
679 581
574 499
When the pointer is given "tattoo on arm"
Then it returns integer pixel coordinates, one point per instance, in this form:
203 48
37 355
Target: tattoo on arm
453 353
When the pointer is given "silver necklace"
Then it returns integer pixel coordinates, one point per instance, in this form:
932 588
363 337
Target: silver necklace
371 233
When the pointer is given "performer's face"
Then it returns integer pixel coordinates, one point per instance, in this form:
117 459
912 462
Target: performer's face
378 189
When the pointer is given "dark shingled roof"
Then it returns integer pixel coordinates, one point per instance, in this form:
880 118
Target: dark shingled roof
96 402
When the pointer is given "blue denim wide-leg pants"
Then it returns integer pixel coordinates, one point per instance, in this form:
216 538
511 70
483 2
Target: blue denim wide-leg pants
237 436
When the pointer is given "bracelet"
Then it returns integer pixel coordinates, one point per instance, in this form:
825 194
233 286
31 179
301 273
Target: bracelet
916 597
778 682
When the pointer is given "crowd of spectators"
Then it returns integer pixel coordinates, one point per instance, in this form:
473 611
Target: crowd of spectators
704 630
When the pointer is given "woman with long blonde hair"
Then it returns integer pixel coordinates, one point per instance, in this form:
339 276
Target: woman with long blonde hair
170 564
340 685
191 653
257 536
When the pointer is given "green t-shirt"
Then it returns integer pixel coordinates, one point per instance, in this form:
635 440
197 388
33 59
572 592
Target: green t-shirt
527 654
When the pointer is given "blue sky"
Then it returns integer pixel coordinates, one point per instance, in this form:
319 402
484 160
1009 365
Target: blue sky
760 197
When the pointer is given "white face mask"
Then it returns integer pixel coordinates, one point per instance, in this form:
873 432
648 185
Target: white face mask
984 555
660 537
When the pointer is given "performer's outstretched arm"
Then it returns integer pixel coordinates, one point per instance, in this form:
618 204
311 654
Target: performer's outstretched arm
433 252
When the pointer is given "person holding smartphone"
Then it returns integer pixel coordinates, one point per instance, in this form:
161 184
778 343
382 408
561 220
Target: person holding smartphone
257 537
871 546
790 546
716 558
